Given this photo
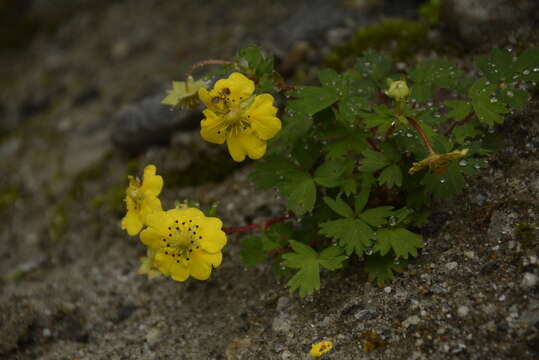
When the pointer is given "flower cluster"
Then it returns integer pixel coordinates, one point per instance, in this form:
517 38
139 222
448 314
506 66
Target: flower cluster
181 242
238 117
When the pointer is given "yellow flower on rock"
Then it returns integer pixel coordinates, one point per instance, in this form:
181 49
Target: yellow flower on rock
238 117
141 199
437 163
320 349
187 243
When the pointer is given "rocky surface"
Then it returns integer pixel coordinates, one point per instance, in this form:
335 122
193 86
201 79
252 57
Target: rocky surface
69 288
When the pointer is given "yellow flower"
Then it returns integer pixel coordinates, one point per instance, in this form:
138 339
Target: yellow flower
238 117
437 163
147 266
141 199
398 90
321 348
184 93
187 243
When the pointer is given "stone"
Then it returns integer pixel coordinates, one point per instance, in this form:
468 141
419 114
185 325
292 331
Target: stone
529 280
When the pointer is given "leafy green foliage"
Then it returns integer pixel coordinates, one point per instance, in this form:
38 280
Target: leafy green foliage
359 164
308 261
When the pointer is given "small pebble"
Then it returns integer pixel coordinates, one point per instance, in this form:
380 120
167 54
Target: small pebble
452 265
387 289
529 280
463 311
153 336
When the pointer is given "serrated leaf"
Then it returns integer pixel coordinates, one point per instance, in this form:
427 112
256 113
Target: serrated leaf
354 142
380 268
312 99
272 171
374 65
497 66
516 98
307 152
352 234
382 117
403 242
391 176
349 186
307 260
526 67
252 252
339 206
438 72
361 200
301 193
446 185
295 125
488 108
421 92
463 132
373 161
377 216
459 109
330 173
350 109
254 62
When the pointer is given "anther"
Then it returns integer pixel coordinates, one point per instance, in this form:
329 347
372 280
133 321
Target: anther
215 100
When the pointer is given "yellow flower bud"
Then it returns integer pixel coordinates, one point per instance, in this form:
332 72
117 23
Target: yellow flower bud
184 94
398 90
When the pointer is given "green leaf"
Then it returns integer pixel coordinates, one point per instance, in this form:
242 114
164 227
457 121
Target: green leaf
307 260
373 161
391 176
516 98
252 252
352 234
377 216
421 92
498 66
307 152
301 193
350 109
488 108
272 171
254 62
330 173
361 200
382 117
352 142
446 185
374 65
296 124
312 99
349 186
403 242
463 132
380 268
459 109
438 72
526 67
339 206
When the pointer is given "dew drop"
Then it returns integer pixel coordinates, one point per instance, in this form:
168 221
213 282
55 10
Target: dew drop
536 69
510 93
463 162
442 181
409 135
526 72
493 100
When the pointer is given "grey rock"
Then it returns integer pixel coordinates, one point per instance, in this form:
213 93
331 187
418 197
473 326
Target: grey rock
149 122
529 280
479 21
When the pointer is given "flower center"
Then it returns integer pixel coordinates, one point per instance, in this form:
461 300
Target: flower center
181 240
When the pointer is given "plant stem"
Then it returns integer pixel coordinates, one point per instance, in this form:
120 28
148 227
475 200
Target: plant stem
422 134
459 123
264 225
202 63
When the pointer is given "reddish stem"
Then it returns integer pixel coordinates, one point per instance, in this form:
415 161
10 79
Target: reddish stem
264 225
207 62
459 123
422 134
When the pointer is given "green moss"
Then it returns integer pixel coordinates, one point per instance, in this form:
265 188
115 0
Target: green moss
526 233
401 36
8 197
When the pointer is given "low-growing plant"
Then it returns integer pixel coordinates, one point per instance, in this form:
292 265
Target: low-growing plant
358 157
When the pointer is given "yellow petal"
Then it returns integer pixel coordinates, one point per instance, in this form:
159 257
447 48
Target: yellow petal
254 147
235 148
191 213
212 128
152 183
132 223
149 205
151 237
212 241
200 270
262 117
159 220
179 272
241 88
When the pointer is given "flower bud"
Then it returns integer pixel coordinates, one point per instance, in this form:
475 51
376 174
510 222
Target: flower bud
398 90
